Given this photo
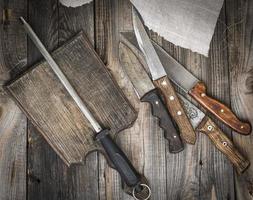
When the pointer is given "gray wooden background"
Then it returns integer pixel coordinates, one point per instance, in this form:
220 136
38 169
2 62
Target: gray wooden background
29 169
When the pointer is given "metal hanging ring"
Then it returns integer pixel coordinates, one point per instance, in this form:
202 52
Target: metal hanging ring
145 186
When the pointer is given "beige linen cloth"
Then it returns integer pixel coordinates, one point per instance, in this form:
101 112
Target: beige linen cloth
186 23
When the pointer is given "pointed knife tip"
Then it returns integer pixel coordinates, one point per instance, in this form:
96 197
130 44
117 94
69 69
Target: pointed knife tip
133 12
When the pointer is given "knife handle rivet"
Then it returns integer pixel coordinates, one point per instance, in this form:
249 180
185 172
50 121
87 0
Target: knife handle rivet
209 128
172 98
174 136
164 83
222 110
179 112
225 144
203 94
156 102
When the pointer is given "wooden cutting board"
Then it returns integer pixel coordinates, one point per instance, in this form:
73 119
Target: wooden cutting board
46 102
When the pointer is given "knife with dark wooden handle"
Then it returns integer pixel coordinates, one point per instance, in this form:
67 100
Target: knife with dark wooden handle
175 109
222 112
224 144
160 80
147 92
165 121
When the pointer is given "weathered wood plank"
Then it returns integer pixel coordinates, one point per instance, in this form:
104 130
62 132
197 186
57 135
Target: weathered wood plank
198 183
49 177
203 168
46 173
109 180
74 20
55 113
126 113
12 150
145 137
13 135
218 84
84 184
13 39
239 33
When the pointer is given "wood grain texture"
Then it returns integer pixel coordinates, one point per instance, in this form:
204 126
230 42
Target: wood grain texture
199 172
54 112
142 84
222 112
202 171
49 177
239 43
187 194
176 110
105 30
43 17
207 126
193 186
145 137
224 144
134 70
86 177
12 150
179 174
13 39
13 123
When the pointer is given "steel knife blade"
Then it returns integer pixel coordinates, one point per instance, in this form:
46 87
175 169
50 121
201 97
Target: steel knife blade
161 81
204 124
193 86
147 92
155 66
113 152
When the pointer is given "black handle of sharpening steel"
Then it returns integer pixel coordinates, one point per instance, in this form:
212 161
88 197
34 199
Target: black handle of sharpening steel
140 190
120 161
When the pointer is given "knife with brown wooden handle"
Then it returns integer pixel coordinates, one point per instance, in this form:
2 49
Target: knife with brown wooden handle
193 86
204 124
147 92
161 81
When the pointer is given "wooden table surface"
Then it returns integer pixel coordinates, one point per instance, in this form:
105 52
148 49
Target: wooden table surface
29 168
